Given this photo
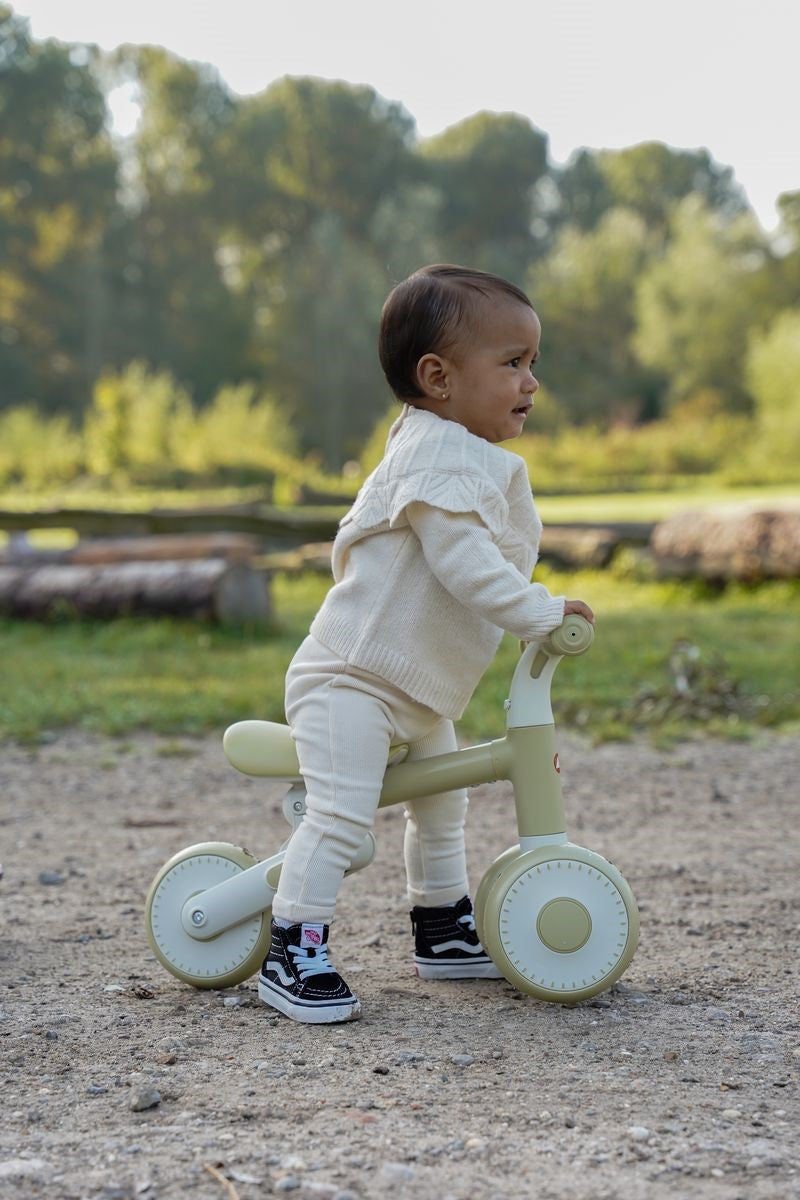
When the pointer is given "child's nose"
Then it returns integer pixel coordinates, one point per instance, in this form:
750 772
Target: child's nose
531 385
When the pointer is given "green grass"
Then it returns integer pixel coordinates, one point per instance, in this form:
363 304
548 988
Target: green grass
175 677
655 506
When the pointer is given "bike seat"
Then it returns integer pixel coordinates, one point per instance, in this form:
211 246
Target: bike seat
262 748
267 749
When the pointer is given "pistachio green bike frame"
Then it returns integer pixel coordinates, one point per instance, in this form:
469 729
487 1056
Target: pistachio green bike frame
526 756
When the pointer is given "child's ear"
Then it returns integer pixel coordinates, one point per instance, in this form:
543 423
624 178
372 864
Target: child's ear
432 376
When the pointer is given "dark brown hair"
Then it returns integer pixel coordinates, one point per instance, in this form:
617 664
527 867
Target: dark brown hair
428 313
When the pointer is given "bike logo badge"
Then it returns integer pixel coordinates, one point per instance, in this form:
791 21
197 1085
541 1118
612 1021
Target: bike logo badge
557 764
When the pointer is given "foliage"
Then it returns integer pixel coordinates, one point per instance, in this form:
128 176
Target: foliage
42 451
695 305
649 179
584 290
250 241
58 177
691 442
773 373
487 225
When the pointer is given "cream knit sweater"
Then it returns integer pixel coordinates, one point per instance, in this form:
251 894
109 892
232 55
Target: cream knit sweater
433 562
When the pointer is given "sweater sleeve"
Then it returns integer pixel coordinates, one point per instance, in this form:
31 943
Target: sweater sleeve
460 552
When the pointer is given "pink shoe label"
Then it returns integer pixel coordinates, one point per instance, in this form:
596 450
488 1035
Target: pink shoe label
311 936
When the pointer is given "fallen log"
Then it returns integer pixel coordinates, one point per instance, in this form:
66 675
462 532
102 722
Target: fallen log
316 556
729 544
578 546
234 547
208 590
281 525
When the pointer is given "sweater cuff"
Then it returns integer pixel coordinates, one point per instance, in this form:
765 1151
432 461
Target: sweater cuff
549 617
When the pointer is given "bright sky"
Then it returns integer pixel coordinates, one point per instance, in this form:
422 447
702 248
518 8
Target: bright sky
716 73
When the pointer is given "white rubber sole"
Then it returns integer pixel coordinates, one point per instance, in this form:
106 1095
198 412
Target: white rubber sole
457 970
327 1014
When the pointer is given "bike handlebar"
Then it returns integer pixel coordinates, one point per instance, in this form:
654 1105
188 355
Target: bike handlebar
574 636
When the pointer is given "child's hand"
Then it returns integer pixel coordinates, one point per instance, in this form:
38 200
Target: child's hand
577 606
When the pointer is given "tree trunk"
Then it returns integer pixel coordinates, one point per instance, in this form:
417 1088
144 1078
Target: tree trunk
208 589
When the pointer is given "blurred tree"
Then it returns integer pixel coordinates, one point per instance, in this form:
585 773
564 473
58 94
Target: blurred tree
405 230
58 177
648 178
335 148
695 304
486 168
782 286
584 292
173 302
320 337
129 427
583 191
773 375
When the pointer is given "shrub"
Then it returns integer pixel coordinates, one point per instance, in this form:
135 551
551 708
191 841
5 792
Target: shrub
38 451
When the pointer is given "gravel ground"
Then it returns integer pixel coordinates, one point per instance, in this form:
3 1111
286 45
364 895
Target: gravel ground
680 1082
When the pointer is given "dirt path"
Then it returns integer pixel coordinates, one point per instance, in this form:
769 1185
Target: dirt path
682 1082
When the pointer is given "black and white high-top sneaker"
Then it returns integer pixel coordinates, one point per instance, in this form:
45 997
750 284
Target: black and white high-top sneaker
446 945
298 979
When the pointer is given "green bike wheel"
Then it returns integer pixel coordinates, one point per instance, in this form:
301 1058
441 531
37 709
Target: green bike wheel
222 961
560 922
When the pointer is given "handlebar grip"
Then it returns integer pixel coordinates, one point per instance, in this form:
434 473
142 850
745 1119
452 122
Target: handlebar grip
574 636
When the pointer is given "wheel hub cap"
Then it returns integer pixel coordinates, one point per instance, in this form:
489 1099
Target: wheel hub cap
564 925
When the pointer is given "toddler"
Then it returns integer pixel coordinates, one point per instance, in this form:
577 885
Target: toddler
430 565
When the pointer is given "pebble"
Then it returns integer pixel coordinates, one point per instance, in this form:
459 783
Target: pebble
545 1115
380 1070
289 1183
233 1001
293 1162
717 1014
13 1167
51 878
760 1043
408 1056
113 987
731 1114
242 1177
96 1089
462 1060
474 1143
397 1171
639 1133
346 1196
144 1098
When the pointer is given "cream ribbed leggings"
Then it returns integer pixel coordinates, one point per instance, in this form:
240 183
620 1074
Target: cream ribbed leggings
343 721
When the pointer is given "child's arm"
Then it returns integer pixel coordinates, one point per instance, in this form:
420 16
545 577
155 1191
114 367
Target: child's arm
460 552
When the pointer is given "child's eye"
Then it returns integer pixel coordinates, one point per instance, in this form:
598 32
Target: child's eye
514 362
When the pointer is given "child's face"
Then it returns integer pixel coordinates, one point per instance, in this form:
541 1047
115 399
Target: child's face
488 383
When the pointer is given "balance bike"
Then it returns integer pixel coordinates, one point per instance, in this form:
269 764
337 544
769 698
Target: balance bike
559 921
